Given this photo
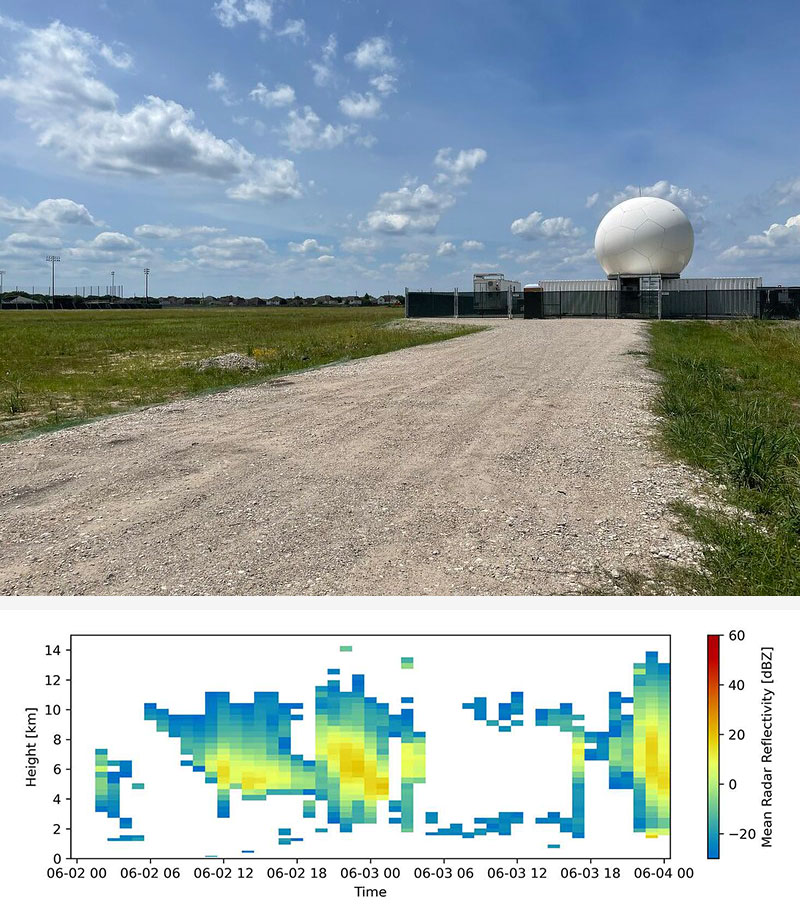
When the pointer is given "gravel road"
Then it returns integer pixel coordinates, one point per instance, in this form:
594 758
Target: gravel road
514 461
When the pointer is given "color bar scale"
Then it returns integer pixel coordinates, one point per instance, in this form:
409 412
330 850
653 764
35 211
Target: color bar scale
713 746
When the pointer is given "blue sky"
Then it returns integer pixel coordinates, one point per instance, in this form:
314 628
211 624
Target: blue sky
300 146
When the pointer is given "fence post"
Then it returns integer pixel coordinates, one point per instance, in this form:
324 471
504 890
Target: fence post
559 304
455 302
406 311
706 303
605 301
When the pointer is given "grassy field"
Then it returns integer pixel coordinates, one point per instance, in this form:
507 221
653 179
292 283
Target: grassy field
730 400
62 366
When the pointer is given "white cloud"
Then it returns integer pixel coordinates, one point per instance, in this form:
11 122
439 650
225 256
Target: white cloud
534 225
23 241
280 96
119 59
236 12
360 106
105 247
54 71
365 245
325 260
779 242
788 191
446 248
457 170
591 201
294 29
76 115
271 179
323 69
685 198
231 253
413 263
307 131
374 53
472 245
384 84
169 232
48 211
411 209
219 84
309 245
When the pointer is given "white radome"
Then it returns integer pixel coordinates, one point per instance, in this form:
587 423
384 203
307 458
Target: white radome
644 236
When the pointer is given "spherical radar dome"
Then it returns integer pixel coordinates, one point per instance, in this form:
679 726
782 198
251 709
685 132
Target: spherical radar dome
644 236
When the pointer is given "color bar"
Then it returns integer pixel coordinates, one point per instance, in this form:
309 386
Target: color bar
713 746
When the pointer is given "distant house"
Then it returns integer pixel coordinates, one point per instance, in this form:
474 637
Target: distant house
276 301
324 300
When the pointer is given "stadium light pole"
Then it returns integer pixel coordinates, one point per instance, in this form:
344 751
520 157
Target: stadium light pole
113 295
146 284
53 260
2 273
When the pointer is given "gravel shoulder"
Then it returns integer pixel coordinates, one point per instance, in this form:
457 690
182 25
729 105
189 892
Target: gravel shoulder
514 461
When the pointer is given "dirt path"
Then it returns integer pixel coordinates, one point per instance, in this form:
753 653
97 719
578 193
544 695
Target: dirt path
514 461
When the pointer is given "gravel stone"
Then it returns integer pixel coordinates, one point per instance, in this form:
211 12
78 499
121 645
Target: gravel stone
514 461
231 362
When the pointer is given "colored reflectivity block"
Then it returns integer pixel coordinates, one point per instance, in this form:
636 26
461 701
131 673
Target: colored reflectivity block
712 774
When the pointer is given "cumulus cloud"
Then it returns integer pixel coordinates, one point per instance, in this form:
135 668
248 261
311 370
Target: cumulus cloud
169 232
414 263
456 170
323 69
409 210
365 245
374 53
591 201
536 226
54 71
270 179
294 29
307 131
75 114
446 248
309 245
105 247
47 212
231 253
219 84
384 84
236 12
778 242
119 59
685 198
360 106
471 245
22 242
325 260
280 96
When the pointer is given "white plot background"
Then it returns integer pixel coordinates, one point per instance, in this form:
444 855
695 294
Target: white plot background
473 770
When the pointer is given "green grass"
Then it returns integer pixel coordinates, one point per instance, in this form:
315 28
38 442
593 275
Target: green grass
730 399
64 366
